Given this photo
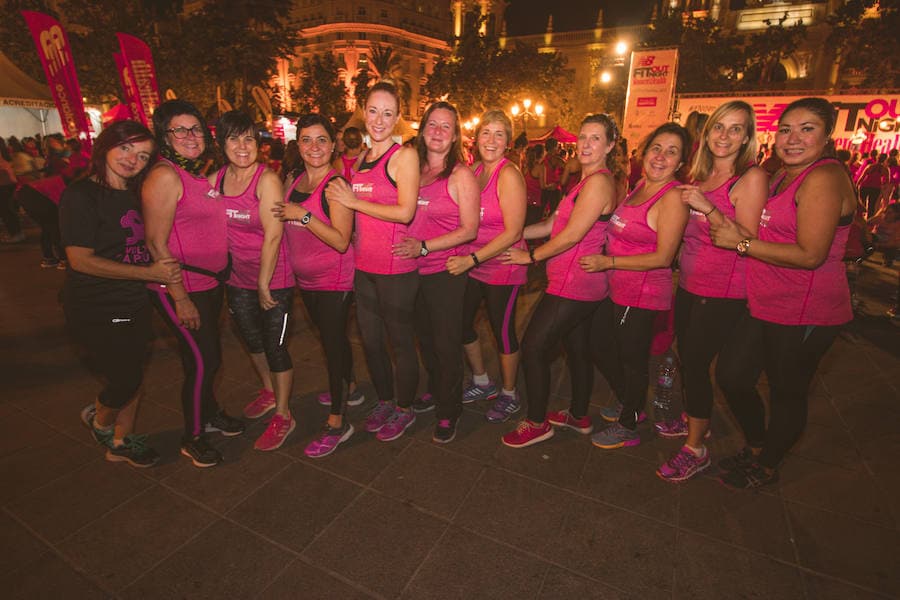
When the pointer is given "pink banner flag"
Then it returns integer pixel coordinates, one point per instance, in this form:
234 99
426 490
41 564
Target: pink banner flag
56 57
128 89
139 60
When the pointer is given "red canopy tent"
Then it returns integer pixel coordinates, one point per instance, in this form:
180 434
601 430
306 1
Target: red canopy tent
119 112
562 136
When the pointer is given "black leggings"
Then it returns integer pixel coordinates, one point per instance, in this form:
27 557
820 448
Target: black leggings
439 328
264 331
633 329
869 198
790 355
117 351
703 327
501 310
387 303
558 320
46 214
328 311
201 355
8 209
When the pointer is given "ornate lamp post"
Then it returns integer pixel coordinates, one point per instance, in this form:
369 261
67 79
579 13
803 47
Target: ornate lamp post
525 112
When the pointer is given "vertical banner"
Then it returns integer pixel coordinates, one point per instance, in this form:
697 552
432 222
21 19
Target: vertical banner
56 57
139 61
128 90
651 91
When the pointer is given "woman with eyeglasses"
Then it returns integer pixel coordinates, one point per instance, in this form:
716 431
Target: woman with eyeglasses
185 219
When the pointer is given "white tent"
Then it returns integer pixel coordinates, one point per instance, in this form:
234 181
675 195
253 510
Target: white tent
26 106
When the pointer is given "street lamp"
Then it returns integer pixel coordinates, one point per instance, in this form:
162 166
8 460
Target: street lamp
526 113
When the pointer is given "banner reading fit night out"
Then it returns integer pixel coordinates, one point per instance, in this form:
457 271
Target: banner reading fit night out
875 115
651 89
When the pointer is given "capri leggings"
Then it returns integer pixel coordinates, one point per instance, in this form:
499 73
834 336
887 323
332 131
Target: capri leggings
501 309
328 311
387 303
703 326
201 355
264 331
117 351
633 334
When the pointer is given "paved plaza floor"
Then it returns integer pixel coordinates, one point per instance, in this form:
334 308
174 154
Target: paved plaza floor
413 519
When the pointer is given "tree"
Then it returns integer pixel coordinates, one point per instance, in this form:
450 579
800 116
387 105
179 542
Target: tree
765 50
867 49
388 65
321 90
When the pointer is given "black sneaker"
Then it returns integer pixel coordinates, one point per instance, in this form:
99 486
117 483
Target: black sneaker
742 460
200 452
423 403
444 431
750 477
134 451
227 426
101 436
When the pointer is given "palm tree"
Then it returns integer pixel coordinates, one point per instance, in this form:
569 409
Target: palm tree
387 65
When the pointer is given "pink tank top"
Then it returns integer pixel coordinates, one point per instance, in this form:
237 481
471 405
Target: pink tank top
199 235
565 277
348 166
316 265
789 296
532 189
375 238
705 269
492 271
436 214
245 239
629 235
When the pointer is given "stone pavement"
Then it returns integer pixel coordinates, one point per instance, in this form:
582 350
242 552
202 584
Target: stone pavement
412 519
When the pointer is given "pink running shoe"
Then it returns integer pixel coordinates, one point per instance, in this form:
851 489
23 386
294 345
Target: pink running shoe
564 418
379 416
684 465
328 440
264 402
527 434
396 425
275 434
675 428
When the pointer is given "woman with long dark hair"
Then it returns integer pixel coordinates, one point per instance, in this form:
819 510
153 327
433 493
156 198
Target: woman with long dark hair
797 291
186 220
104 296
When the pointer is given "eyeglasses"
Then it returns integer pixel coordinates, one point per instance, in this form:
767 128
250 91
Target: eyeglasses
181 133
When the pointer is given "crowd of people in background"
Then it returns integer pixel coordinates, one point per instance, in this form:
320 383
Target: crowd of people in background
739 250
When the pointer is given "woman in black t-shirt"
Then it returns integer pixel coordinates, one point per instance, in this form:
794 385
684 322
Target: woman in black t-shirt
105 301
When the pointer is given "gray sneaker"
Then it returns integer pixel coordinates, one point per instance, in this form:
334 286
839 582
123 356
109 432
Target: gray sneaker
475 392
611 413
615 436
104 438
505 407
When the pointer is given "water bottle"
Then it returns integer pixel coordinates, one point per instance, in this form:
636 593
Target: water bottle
665 381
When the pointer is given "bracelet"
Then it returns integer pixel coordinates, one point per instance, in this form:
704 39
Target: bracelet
531 254
711 211
475 259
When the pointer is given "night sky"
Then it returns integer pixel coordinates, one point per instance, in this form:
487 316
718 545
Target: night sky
530 16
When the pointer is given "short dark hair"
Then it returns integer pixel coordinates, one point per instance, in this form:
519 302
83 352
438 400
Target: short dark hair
352 137
820 107
311 119
675 129
170 109
118 133
235 122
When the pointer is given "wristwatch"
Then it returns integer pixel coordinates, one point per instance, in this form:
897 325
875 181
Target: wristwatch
743 246
305 219
424 250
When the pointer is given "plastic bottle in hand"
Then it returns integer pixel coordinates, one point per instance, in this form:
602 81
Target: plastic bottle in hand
665 381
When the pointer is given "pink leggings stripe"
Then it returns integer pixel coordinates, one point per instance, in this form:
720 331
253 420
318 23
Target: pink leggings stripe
195 350
509 315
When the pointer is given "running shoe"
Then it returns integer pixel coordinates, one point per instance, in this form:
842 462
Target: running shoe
750 477
684 465
379 416
200 452
444 431
743 459
134 451
527 434
101 436
276 433
479 392
611 413
328 440
505 407
564 418
423 403
354 398
615 436
676 428
49 263
224 424
264 402
396 425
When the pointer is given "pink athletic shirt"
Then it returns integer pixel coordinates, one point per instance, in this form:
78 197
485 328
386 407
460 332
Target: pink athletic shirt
565 277
316 265
436 214
705 269
629 235
789 296
199 235
375 238
245 239
492 271
348 166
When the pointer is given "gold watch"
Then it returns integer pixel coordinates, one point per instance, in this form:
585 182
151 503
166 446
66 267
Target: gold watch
743 246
